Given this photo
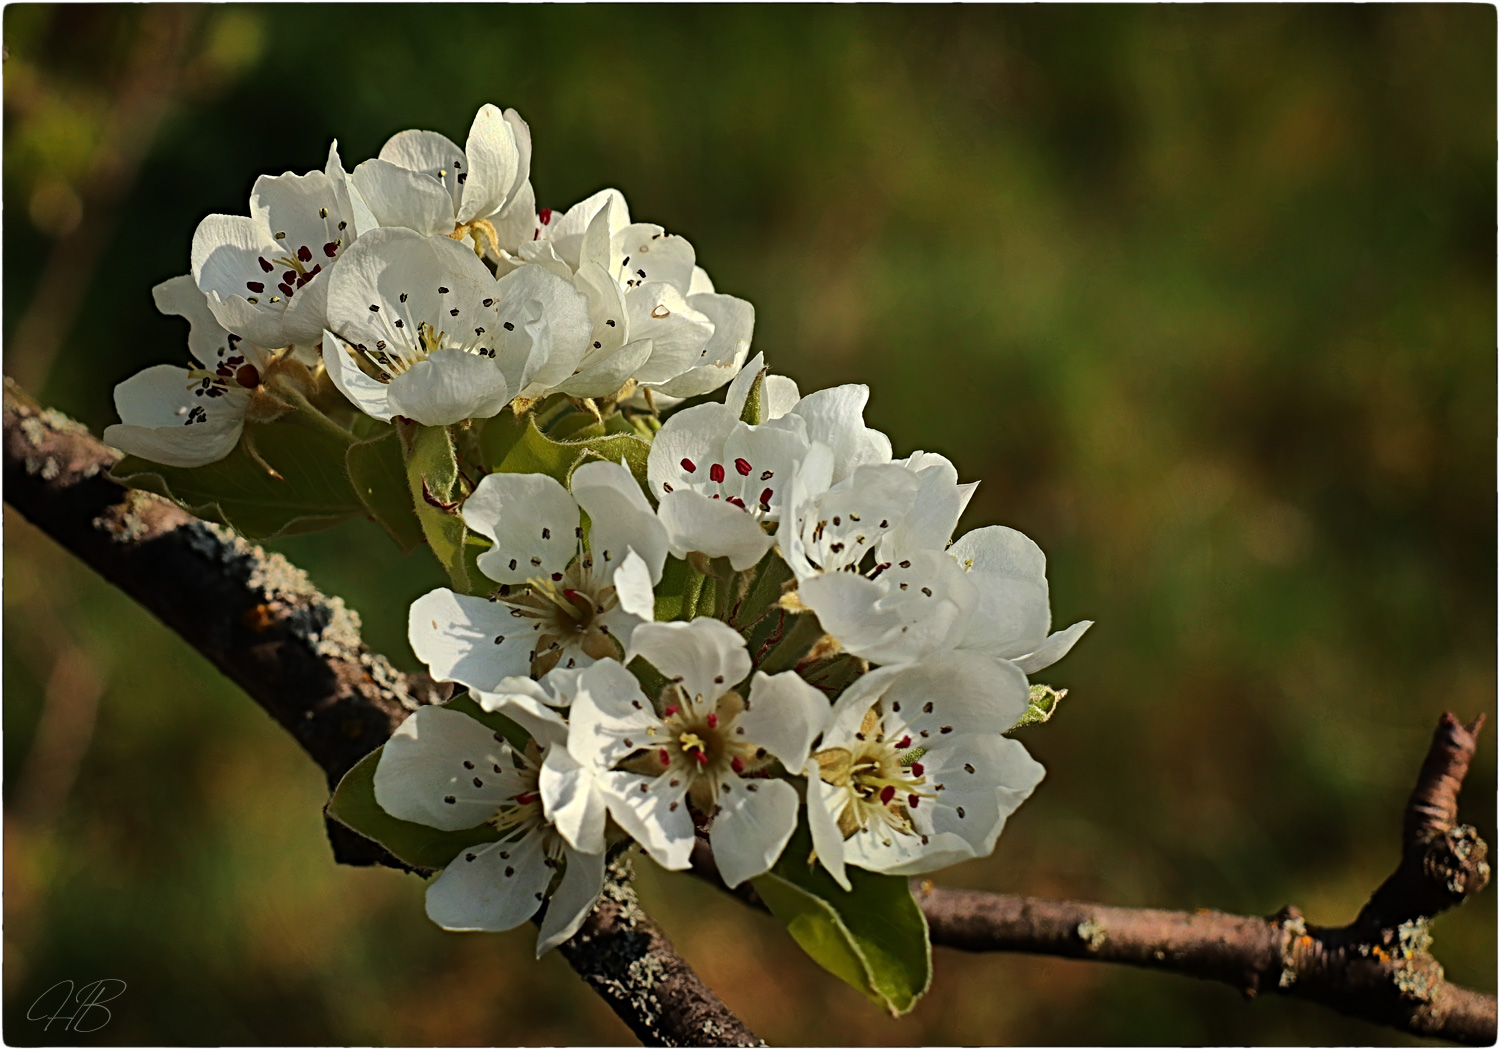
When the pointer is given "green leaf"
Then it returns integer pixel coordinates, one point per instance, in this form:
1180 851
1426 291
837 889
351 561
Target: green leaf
353 804
528 451
432 479
379 479
1041 707
873 937
313 491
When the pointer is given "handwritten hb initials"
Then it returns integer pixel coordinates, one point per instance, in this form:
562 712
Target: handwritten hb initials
87 1013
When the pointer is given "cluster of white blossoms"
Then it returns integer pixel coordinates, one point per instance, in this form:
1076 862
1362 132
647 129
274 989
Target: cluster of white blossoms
764 621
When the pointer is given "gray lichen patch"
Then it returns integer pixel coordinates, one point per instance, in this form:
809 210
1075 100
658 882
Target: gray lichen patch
126 522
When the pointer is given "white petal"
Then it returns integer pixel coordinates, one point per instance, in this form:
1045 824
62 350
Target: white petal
785 715
478 894
369 395
571 801
493 160
951 692
155 405
620 518
778 397
718 529
645 248
1009 573
734 325
633 588
678 333
423 765
398 197
835 416
421 150
532 521
608 710
688 435
208 342
225 260
577 891
752 827
177 446
469 640
706 656
822 821
530 706
880 624
292 207
1053 649
933 513
451 385
603 375
554 317
644 808
522 134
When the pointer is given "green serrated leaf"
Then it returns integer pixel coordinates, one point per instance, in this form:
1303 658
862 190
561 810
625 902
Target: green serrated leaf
353 804
378 475
678 592
313 491
532 452
432 480
1041 706
872 937
616 448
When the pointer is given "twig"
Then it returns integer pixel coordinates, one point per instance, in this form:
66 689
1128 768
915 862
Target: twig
299 655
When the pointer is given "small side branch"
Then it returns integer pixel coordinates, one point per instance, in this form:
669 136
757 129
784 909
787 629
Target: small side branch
299 655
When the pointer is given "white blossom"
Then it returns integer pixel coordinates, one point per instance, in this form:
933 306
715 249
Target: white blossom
657 318
446 770
703 746
194 416
561 602
266 275
913 772
420 328
422 181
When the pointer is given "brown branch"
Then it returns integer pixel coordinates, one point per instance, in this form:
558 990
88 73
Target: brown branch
299 655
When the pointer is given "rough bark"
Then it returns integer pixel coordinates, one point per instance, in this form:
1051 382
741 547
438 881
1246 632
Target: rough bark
299 655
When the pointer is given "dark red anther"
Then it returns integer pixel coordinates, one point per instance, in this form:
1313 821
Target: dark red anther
670 711
666 759
314 271
545 215
765 499
255 286
688 465
886 794
700 757
737 764
556 576
286 289
904 744
526 798
712 721
289 276
247 376
743 466
912 800
916 769
331 249
223 370
304 253
570 594
265 265
736 501
716 472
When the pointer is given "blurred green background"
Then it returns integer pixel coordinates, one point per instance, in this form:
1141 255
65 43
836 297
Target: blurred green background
1204 295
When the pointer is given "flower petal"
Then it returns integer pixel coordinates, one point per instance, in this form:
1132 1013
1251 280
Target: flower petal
824 803
499 889
493 161
1009 572
532 521
449 386
397 196
571 801
620 518
610 717
428 768
370 396
756 819
577 891
715 528
654 813
784 716
1056 646
707 657
469 640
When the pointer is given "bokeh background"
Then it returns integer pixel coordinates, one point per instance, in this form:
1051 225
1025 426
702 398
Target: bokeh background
1204 295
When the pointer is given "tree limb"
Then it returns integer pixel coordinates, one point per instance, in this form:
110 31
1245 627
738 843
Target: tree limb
299 655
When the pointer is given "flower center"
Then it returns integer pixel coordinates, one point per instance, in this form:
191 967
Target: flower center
881 778
739 483
567 610
700 744
523 810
